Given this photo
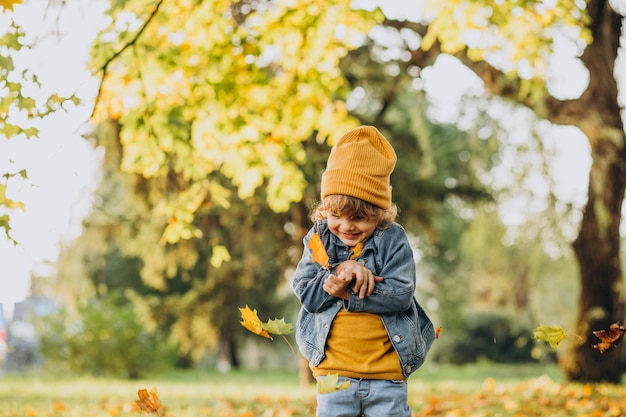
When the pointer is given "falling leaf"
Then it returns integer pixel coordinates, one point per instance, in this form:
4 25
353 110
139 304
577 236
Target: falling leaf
329 383
438 331
278 326
252 322
148 401
609 338
319 252
551 334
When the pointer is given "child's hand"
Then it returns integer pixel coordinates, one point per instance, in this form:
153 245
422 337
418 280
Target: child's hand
364 279
337 286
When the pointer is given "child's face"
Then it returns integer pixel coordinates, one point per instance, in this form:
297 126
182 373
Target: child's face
351 230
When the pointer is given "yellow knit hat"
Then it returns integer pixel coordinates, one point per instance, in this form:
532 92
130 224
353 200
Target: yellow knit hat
360 165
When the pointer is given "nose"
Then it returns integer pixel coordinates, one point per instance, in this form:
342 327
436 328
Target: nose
348 225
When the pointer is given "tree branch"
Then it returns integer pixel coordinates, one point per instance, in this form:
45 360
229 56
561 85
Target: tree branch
127 45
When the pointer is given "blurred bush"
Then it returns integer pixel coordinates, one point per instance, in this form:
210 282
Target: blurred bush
104 338
486 335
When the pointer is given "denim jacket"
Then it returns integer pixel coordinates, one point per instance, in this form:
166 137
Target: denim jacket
387 254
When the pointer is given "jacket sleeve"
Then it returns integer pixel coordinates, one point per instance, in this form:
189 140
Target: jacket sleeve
309 279
397 267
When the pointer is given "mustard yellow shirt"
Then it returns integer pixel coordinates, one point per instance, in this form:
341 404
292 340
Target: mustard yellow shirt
358 346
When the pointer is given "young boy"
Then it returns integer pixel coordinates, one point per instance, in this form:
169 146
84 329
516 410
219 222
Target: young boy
356 281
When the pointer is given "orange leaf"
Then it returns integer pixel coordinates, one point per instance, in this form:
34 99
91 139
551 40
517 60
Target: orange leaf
59 406
438 331
319 252
609 338
148 401
252 322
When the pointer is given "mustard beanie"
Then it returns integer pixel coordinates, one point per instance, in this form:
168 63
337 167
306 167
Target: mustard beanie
360 165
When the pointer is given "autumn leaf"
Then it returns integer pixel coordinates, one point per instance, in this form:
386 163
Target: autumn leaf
252 322
281 328
278 326
319 252
329 383
609 338
148 401
438 332
551 334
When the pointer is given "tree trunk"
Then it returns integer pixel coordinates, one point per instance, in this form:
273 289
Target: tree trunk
597 246
598 114
597 250
227 357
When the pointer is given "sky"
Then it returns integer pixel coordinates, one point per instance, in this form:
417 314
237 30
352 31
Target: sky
63 167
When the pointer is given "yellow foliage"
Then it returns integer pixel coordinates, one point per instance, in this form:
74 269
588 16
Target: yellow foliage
220 255
519 35
204 89
9 4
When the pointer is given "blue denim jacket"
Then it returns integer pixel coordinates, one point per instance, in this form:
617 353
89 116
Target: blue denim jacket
386 253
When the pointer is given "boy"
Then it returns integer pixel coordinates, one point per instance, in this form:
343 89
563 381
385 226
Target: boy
356 281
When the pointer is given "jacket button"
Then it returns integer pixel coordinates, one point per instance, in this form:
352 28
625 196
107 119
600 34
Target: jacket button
397 338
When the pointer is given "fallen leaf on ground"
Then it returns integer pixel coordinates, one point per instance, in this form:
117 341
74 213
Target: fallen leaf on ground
148 401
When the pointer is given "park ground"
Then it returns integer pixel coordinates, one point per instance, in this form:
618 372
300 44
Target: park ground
485 390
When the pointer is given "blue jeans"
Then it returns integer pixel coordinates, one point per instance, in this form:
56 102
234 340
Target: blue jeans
366 397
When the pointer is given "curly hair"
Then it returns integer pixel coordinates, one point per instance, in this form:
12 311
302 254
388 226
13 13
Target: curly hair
353 207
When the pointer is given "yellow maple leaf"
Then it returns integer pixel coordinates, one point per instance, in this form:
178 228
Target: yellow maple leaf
148 401
251 321
319 252
329 383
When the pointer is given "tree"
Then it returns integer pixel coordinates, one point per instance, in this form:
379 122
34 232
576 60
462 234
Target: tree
22 105
213 90
189 290
522 33
214 141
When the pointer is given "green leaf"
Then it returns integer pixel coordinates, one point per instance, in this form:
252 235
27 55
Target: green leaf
278 326
551 334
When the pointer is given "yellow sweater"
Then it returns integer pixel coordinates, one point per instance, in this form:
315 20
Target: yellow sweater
358 346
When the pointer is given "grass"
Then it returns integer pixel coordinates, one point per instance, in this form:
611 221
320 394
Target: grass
182 393
472 376
436 390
